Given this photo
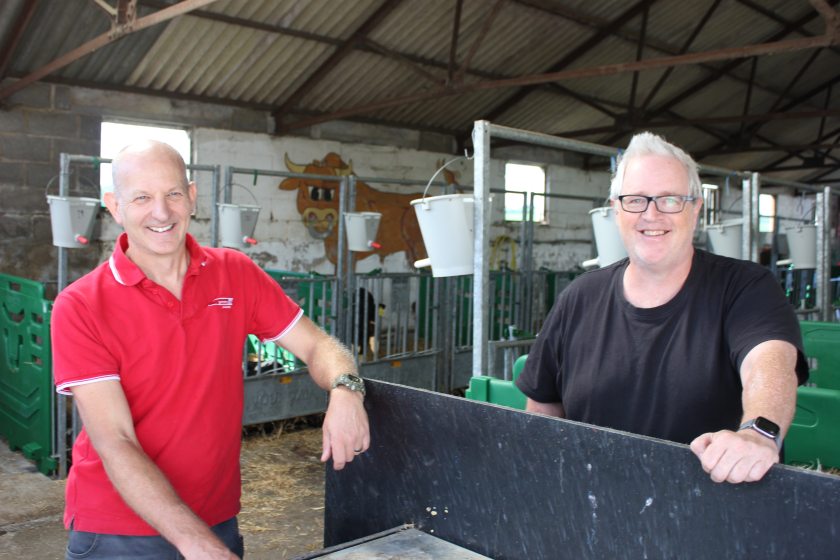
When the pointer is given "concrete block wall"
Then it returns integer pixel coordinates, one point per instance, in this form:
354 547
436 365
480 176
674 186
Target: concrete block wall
36 125
44 120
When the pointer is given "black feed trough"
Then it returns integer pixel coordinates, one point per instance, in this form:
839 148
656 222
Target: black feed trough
512 485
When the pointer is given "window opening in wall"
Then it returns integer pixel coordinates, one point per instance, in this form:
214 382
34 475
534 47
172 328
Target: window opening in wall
116 135
523 178
766 213
711 203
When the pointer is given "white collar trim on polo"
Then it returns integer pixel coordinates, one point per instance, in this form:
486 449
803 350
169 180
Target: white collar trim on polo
113 266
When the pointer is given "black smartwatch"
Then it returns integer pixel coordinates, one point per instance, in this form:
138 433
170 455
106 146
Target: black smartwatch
765 427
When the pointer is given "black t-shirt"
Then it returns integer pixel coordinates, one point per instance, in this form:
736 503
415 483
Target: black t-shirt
670 372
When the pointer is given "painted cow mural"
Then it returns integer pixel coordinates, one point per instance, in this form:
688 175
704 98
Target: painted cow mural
317 202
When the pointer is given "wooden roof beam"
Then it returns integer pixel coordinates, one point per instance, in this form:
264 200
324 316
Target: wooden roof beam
625 34
412 65
340 54
599 36
823 138
453 42
18 30
640 50
181 8
743 52
485 28
684 49
729 119
775 39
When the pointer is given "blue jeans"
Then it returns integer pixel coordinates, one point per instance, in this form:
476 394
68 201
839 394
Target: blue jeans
96 546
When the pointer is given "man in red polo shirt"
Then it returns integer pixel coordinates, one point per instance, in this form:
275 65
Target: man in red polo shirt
150 346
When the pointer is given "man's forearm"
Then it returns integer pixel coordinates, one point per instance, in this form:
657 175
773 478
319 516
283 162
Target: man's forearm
145 489
328 361
769 379
549 409
324 355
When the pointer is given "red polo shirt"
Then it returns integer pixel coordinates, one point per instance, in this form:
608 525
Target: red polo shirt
180 365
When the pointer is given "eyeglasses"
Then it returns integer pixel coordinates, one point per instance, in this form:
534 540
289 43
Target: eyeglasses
667 204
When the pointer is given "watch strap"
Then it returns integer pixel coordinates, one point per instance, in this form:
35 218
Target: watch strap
766 428
350 381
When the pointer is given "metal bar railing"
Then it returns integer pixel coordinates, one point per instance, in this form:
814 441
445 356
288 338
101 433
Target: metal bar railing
509 348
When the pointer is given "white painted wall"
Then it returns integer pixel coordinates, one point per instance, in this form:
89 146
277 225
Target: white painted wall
284 242
562 243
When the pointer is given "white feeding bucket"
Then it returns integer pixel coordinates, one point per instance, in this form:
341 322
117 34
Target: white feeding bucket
72 220
238 222
361 230
446 223
802 242
608 241
725 238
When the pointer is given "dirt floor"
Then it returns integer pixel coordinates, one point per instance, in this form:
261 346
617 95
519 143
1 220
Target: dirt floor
282 493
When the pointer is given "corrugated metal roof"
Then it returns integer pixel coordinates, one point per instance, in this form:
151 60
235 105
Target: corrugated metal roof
325 59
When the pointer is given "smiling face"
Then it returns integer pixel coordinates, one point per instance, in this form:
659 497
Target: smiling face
152 202
656 241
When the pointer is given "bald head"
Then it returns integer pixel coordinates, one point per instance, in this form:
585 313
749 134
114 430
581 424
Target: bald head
143 155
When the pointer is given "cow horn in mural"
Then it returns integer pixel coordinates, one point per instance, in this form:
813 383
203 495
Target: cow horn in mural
347 170
294 167
333 161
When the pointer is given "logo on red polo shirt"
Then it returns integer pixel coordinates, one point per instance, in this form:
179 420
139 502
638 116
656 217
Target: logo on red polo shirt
223 302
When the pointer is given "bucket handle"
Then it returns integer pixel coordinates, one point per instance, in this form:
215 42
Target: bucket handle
54 177
442 167
246 189
804 212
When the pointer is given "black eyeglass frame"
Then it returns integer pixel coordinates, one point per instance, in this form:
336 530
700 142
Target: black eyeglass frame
684 197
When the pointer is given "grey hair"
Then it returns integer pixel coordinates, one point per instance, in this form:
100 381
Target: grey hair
646 144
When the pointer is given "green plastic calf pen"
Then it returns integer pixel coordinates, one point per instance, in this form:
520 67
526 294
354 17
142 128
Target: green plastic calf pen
812 439
26 393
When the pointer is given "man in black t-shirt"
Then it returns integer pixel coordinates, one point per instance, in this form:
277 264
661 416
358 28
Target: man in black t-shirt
672 342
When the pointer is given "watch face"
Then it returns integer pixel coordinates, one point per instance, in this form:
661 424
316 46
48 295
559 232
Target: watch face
351 381
766 425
